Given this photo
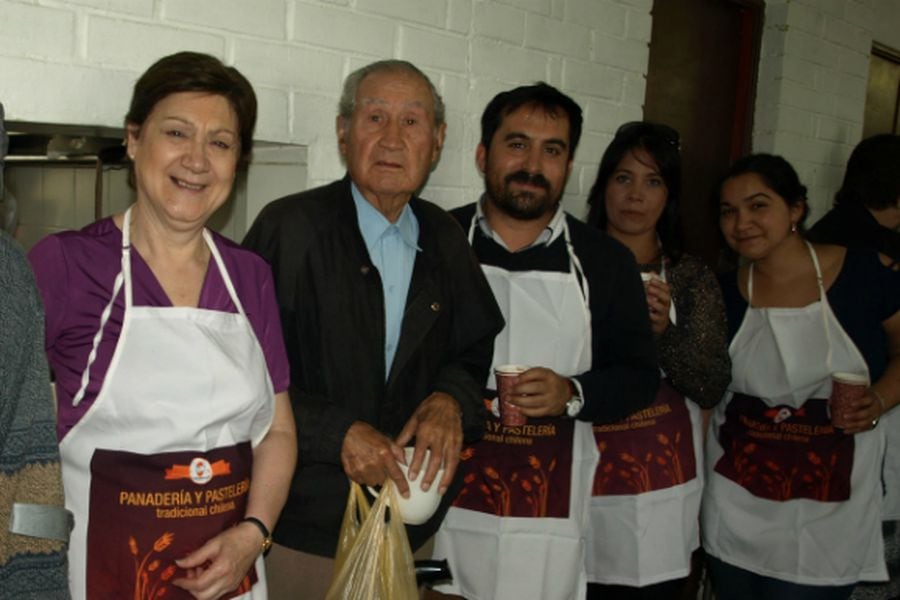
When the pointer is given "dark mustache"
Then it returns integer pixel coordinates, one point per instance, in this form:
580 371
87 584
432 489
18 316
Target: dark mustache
526 178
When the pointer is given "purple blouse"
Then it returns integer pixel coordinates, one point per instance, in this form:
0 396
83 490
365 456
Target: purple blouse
75 273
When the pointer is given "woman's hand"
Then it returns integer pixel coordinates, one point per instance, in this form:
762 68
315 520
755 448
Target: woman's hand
219 565
659 299
864 415
874 403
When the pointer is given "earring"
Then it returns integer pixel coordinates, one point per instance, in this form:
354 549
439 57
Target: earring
793 228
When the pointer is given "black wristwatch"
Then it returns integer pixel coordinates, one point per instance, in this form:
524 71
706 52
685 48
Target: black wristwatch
267 537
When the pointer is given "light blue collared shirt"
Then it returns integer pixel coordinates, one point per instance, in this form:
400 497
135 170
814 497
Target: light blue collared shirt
392 248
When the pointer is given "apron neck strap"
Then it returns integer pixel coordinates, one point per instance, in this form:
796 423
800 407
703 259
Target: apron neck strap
126 256
207 239
815 260
573 258
123 280
576 264
823 302
217 257
823 298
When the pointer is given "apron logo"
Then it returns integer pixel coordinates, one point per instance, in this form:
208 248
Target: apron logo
200 471
777 415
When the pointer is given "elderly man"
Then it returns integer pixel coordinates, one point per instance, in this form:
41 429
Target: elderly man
388 320
576 315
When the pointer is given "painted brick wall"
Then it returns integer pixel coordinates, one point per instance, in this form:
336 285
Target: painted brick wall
812 85
75 62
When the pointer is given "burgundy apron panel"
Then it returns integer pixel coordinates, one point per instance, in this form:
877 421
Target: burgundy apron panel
148 510
523 471
780 453
652 449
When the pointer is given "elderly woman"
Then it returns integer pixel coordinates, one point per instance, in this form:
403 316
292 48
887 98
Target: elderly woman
644 529
177 438
792 503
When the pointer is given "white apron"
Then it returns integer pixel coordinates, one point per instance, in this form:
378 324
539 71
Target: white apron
161 461
645 501
787 495
891 502
538 553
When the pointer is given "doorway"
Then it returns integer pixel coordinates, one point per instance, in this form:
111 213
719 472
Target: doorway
883 92
701 80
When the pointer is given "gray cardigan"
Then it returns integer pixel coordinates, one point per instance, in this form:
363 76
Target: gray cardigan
30 567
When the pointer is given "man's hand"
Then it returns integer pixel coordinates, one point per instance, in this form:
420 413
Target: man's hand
540 392
369 457
437 426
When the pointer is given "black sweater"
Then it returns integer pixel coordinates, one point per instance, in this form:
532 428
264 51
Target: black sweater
624 376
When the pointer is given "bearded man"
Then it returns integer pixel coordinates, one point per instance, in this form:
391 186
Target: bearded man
575 314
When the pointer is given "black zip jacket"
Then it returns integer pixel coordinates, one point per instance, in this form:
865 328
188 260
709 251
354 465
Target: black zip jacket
332 313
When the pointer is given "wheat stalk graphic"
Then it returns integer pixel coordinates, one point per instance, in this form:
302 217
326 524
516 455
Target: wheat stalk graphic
142 569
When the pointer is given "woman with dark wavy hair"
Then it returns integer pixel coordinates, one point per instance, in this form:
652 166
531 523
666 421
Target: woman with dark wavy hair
648 484
793 493
866 214
866 211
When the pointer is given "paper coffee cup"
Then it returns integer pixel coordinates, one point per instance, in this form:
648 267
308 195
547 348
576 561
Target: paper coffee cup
420 505
507 376
846 389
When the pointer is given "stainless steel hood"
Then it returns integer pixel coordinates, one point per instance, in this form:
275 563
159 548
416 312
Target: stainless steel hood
51 142
60 145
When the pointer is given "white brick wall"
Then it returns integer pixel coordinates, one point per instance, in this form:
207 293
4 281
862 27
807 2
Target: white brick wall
500 22
37 32
812 85
258 18
885 28
119 43
75 61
